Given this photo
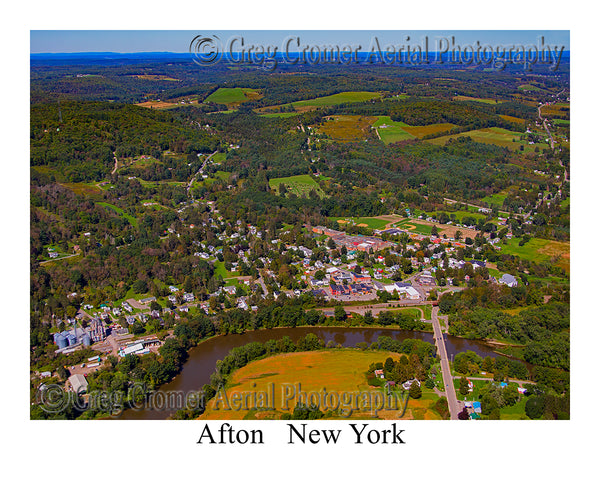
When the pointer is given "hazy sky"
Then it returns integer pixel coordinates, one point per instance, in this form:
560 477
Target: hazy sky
126 41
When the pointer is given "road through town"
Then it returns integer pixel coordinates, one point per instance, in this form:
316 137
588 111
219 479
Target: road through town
453 405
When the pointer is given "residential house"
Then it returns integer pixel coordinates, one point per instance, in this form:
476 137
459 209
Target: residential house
508 280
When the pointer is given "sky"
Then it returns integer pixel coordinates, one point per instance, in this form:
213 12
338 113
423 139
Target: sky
128 41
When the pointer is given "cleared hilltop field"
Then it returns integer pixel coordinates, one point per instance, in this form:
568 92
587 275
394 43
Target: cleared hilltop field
298 184
327 101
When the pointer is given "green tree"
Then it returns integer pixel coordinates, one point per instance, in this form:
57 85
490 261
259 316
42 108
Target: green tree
534 407
415 390
463 386
339 314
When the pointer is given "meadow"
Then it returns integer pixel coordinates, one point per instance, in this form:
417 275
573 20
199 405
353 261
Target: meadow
233 96
346 128
336 370
539 250
495 136
315 103
489 101
298 184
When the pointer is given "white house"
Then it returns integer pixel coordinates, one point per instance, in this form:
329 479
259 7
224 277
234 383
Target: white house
509 280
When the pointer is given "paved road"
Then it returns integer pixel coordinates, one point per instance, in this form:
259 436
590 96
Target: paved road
453 404
200 171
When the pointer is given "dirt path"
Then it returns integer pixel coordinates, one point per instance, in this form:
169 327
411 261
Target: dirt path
114 170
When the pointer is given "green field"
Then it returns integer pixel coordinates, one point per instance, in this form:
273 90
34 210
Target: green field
495 199
495 136
529 88
460 214
370 222
413 227
489 101
298 184
232 96
132 220
280 114
337 99
391 131
221 270
539 250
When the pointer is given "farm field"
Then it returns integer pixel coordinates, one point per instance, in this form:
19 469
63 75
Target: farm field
489 101
327 101
528 88
298 184
346 128
339 370
495 136
159 105
420 132
510 118
391 131
164 78
233 96
280 114
556 110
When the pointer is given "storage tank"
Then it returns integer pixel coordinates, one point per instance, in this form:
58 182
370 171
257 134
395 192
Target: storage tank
60 340
72 339
86 339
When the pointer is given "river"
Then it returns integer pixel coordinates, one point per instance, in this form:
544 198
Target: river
203 358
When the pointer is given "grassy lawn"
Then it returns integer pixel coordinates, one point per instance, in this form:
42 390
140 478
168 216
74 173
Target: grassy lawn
218 175
298 184
221 270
